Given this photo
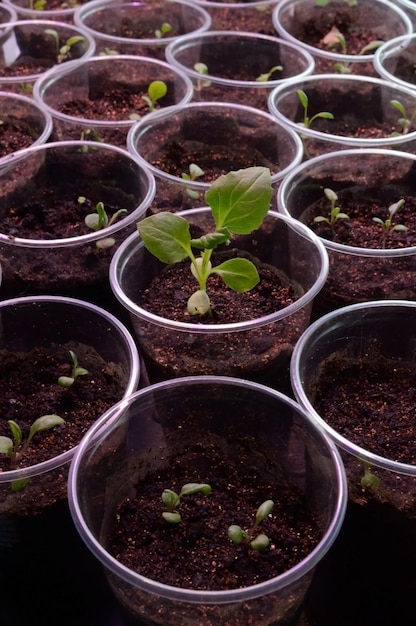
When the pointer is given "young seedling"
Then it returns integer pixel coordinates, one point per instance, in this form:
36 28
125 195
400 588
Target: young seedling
194 172
155 91
99 220
172 500
334 38
14 446
263 78
68 381
307 121
63 52
388 225
369 480
347 68
202 69
335 212
405 121
239 202
164 30
324 3
249 537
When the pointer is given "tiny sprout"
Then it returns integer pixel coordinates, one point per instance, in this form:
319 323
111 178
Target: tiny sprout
172 500
68 381
387 225
164 29
202 69
335 212
404 121
14 447
239 201
37 5
99 220
368 479
194 172
63 52
256 542
263 78
307 121
155 91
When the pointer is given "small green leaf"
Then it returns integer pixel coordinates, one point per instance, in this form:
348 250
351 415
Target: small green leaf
167 236
156 90
16 431
19 484
192 488
44 423
199 303
324 115
73 40
303 98
171 518
170 499
66 381
264 510
236 534
261 542
398 105
238 274
6 445
240 200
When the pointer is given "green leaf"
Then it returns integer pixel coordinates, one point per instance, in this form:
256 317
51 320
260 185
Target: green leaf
167 236
238 274
19 484
240 200
73 40
398 105
6 445
191 488
324 115
236 534
16 431
303 98
199 303
261 542
172 518
264 510
44 423
170 499
157 89
211 240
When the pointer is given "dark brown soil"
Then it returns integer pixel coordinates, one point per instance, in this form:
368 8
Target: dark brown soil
15 134
249 19
204 556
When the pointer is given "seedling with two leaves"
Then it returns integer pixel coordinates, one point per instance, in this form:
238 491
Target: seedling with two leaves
405 120
156 90
77 370
63 52
15 446
388 226
250 537
239 201
307 121
99 219
195 172
335 214
172 500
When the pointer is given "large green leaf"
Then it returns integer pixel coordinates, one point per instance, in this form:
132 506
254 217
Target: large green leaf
238 274
240 200
166 236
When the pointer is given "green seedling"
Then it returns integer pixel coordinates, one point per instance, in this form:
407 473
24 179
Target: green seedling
14 447
335 38
202 69
335 214
155 91
307 121
37 5
164 30
405 121
108 52
239 202
99 219
347 68
369 480
172 500
63 53
194 172
263 78
249 537
68 381
387 225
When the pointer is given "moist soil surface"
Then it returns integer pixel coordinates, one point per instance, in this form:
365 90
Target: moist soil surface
15 134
